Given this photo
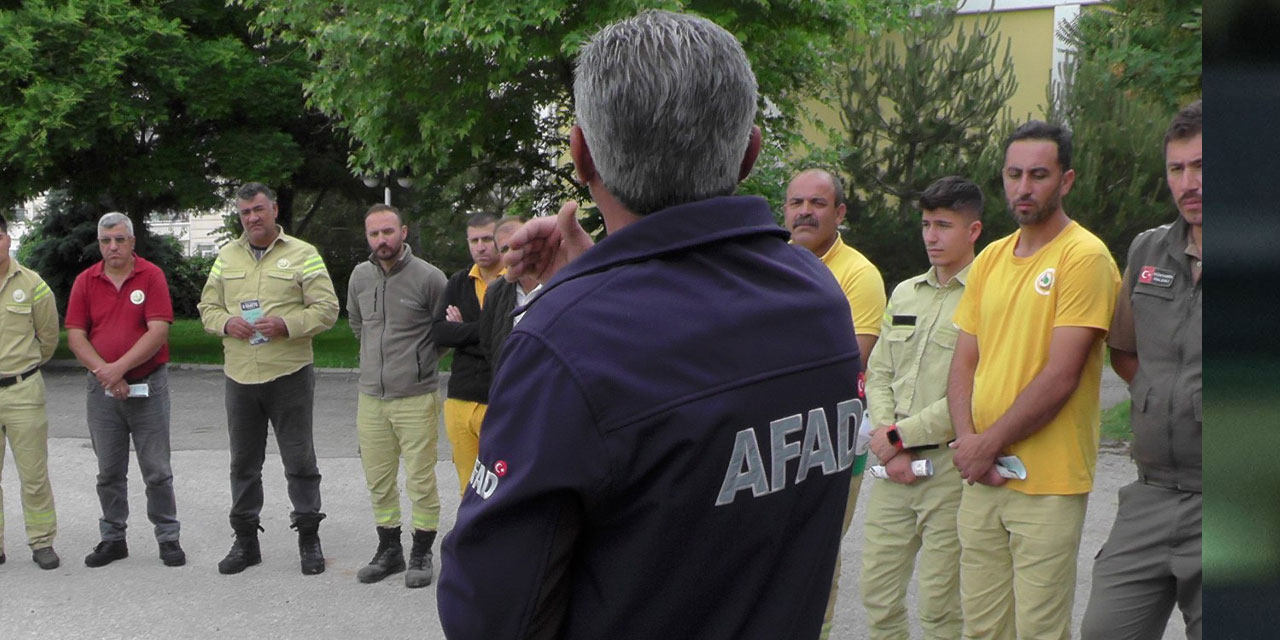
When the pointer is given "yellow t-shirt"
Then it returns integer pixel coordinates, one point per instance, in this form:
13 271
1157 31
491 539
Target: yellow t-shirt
1012 305
861 283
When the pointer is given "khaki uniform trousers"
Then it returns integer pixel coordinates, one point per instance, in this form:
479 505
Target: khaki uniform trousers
1150 561
851 504
389 428
901 521
25 425
462 419
1018 557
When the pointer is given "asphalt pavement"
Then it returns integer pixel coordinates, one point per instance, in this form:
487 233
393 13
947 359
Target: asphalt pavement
138 597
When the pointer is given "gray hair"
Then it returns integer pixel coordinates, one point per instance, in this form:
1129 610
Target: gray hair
115 219
248 190
666 102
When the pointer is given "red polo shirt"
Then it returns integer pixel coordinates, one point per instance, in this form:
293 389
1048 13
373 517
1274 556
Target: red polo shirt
116 319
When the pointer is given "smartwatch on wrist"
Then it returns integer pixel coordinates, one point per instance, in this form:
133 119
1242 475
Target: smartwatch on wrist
895 438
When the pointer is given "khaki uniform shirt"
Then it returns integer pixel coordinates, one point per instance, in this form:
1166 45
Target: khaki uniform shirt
28 321
289 281
908 369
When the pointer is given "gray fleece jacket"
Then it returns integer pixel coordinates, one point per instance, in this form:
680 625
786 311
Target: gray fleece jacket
391 315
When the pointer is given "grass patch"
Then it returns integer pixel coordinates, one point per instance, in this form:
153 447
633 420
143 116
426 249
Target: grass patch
190 344
1115 423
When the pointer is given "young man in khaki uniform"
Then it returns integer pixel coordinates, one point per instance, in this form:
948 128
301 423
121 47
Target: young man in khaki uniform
28 337
1152 558
392 299
907 399
267 294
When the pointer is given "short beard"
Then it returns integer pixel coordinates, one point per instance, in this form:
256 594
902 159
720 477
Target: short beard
1037 215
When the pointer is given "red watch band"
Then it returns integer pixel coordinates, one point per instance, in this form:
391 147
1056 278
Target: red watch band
895 437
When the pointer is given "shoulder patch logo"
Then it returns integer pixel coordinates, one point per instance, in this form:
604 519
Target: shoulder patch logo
1044 281
282 263
138 296
19 295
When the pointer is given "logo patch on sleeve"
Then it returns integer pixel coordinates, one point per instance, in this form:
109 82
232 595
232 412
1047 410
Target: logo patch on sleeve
484 481
1155 276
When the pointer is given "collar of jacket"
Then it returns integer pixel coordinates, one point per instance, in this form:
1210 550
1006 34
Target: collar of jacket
406 254
671 230
1177 238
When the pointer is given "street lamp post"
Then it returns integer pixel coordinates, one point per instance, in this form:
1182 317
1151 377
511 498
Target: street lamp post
403 179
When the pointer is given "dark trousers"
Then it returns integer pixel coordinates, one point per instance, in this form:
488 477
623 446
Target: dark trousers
286 403
111 424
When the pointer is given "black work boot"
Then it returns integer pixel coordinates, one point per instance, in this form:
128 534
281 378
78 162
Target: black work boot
419 573
106 552
244 551
388 559
309 551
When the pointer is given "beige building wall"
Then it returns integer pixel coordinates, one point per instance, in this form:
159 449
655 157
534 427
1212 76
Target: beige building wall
1030 26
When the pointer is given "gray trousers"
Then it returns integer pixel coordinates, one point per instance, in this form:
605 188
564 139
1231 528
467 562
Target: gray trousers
286 403
1150 561
112 423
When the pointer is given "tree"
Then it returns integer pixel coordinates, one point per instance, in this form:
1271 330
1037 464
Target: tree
919 105
1135 63
476 97
151 107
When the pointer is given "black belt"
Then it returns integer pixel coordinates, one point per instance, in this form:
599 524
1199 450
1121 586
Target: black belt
12 380
1164 482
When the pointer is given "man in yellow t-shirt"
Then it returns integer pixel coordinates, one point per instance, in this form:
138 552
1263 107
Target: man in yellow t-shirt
813 212
1024 382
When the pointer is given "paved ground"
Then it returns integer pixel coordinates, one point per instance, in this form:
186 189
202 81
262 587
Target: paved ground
139 598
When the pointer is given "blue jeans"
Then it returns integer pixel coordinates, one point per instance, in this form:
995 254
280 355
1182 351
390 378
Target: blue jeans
111 424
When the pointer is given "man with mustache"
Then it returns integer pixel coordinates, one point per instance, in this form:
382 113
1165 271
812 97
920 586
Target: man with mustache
1152 558
118 327
813 211
1024 382
392 300
267 294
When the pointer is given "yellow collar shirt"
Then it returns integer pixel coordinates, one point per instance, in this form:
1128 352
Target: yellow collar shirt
289 281
862 285
908 369
28 321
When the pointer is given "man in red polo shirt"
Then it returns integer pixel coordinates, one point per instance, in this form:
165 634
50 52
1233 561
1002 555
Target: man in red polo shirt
118 326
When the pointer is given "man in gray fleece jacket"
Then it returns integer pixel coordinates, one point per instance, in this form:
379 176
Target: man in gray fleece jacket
391 302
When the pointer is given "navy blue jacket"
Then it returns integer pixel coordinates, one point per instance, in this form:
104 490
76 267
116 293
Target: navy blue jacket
667 448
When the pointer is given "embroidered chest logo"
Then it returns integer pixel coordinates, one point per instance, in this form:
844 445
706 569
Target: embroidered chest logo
19 295
137 296
1155 276
282 263
1044 281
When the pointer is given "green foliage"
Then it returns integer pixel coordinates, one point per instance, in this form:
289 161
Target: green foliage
186 276
189 343
155 107
1133 68
1115 423
64 243
1152 48
475 99
919 105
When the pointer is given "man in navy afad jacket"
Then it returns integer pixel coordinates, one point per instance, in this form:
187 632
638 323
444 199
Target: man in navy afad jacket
667 448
